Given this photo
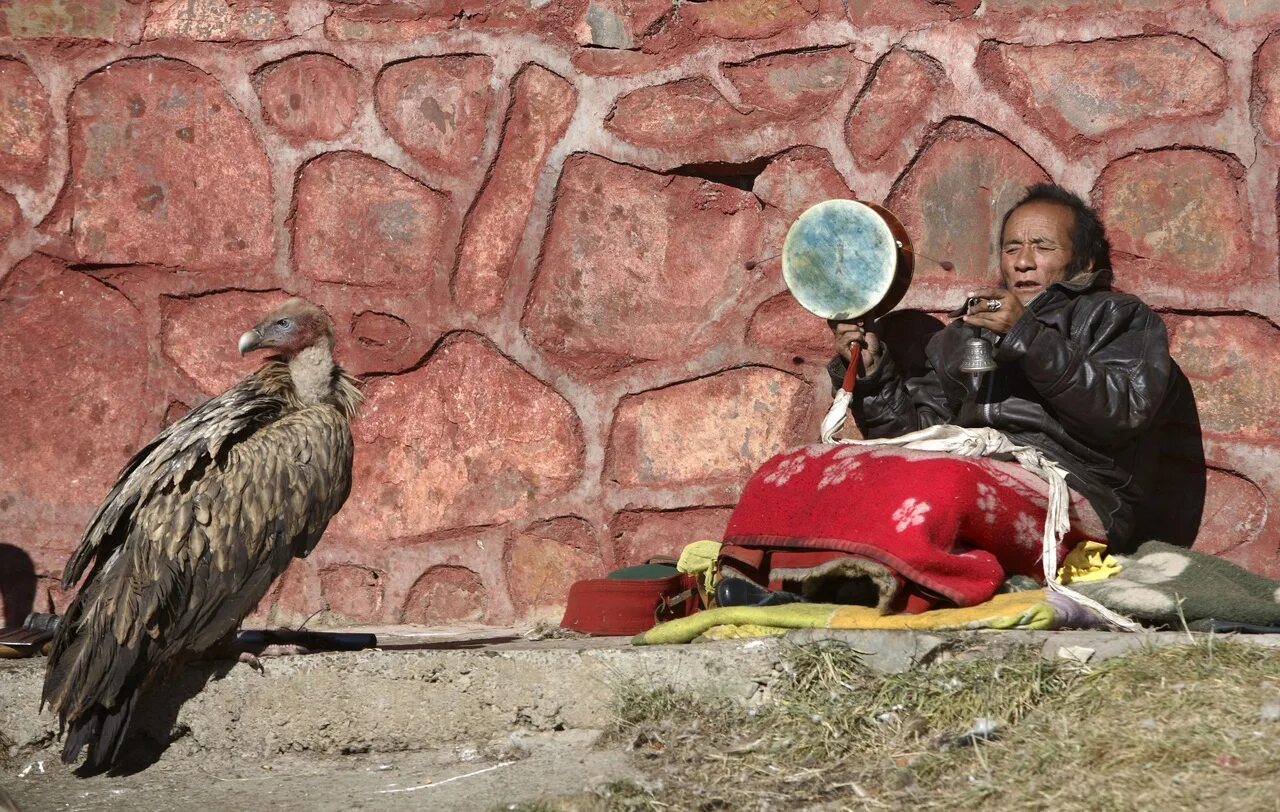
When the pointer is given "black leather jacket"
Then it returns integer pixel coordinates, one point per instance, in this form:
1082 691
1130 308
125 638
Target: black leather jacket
1081 376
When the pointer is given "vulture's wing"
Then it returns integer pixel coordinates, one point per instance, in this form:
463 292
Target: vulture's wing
180 452
198 560
200 552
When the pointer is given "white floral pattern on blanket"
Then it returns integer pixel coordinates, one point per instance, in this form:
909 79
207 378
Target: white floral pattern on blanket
788 468
911 513
842 465
987 502
1027 532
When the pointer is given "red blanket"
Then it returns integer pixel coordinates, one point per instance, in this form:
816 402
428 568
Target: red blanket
956 526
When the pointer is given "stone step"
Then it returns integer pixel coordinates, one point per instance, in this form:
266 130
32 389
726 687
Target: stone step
444 704
431 689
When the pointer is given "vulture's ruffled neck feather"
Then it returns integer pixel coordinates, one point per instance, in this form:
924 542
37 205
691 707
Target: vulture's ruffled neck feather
312 373
311 378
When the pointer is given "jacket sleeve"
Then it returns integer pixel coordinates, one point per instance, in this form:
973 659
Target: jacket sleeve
887 405
1107 383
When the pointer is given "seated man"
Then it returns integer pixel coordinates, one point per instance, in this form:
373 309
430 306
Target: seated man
1082 372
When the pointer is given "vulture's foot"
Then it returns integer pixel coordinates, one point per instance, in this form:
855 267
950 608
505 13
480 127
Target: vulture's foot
250 659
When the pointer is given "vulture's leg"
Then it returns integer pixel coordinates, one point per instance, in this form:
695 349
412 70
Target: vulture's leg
248 646
230 648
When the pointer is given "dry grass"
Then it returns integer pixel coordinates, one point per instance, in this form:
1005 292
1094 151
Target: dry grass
1173 728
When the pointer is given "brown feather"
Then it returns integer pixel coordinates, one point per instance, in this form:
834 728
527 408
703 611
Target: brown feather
190 537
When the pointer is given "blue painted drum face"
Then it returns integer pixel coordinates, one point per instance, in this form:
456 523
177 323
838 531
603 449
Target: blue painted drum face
839 259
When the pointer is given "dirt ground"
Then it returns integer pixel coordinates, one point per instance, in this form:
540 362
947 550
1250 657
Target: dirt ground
525 770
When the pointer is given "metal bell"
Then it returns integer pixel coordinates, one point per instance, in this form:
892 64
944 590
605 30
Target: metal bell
977 356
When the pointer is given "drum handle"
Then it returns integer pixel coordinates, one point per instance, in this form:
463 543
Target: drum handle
851 374
839 411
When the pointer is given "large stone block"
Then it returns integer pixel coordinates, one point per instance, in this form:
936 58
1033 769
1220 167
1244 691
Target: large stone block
909 14
25 124
606 62
712 430
391 22
639 535
904 83
199 334
297 593
437 109
1179 217
380 342
446 594
783 324
775 88
1114 84
683 113
108 20
362 222
541 108
638 266
1231 363
217 20
550 22
165 170
620 24
467 439
796 85
10 218
407 20
352 591
1266 87
951 202
744 19
309 96
797 179
543 562
74 398
1235 511
1022 9
790 184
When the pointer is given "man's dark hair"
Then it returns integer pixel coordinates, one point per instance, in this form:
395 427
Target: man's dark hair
1088 237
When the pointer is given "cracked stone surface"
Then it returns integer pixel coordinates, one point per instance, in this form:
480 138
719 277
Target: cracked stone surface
166 170
360 221
437 109
309 96
444 447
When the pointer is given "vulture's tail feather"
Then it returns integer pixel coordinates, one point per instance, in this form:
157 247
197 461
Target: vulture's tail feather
103 731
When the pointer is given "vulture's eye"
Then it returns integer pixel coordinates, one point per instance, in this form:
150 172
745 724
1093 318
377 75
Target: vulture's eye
284 324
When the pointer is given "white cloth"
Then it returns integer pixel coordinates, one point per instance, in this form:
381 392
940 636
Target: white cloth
989 442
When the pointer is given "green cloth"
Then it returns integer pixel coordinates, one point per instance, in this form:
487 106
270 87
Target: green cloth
1164 585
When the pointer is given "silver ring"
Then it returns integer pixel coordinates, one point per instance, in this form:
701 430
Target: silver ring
994 304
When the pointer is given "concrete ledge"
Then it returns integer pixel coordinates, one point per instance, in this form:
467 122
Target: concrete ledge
488 684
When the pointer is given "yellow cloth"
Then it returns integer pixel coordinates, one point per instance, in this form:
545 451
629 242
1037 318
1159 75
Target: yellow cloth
699 558
1088 562
1015 610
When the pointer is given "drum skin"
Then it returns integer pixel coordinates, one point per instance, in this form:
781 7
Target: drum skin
844 260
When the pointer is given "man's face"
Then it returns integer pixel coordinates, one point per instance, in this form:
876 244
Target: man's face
1035 248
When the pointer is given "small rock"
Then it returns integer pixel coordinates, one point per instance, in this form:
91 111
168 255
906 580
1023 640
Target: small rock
1270 712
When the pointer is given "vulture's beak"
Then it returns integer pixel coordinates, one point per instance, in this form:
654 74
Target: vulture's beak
250 341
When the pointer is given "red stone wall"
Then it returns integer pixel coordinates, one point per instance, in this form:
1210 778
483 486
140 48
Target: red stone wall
532 222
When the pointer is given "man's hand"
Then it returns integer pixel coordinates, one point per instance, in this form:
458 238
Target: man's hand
849 333
1002 318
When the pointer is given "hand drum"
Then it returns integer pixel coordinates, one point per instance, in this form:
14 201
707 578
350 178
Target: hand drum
845 260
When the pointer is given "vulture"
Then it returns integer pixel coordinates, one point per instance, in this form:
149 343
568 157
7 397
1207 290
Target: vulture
198 525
